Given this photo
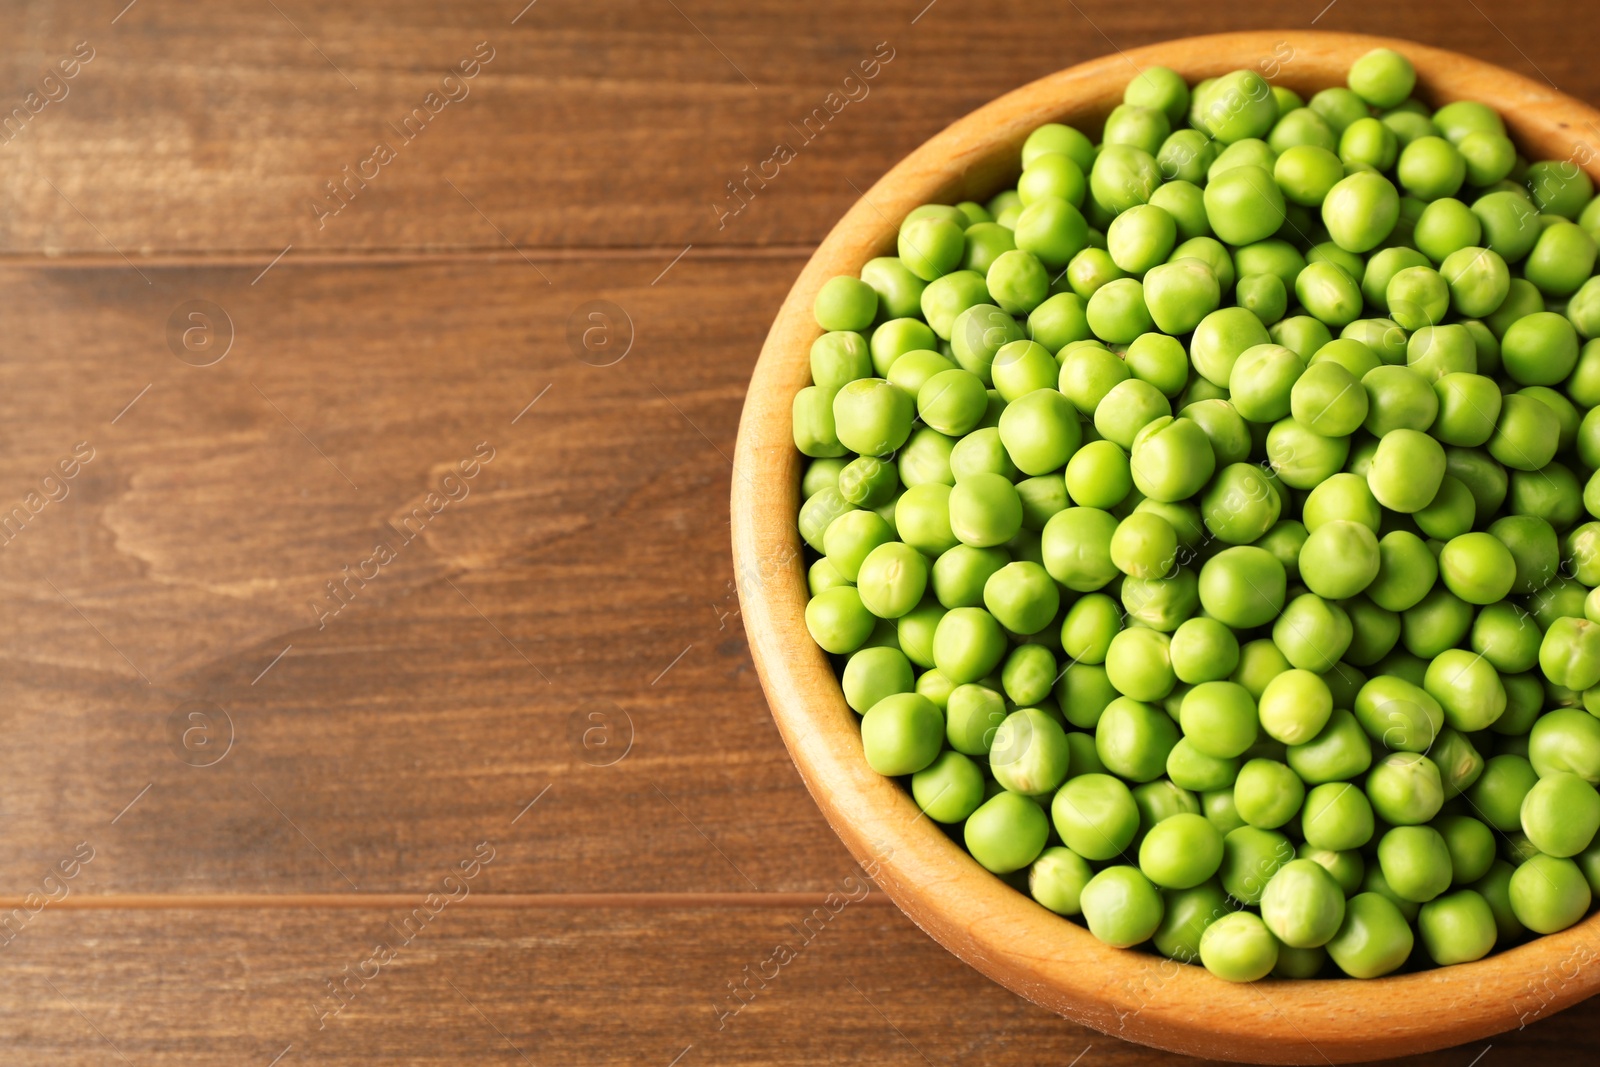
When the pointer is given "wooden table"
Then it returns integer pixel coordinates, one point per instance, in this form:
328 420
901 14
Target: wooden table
369 617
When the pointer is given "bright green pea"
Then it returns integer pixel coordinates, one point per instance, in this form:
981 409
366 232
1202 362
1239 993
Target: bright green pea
931 247
967 644
1415 862
1303 905
1329 400
949 789
902 734
1029 753
1478 568
1007 832
1457 927
1052 174
1133 739
1203 650
1407 470
1123 176
838 621
1077 548
1510 224
1054 137
899 291
872 674
1360 211
1179 294
1057 879
1219 718
1181 852
1144 545
840 357
1368 142
1053 230
1374 938
1267 793
1340 559
1306 172
1445 227
972 715
1040 431
1313 633
986 242
845 303
1139 664
1339 752
1244 204
1559 187
977 335
1095 815
1242 586
1058 321
960 573
1250 857
1382 77
1549 894
1539 349
1219 340
1117 312
1121 906
851 536
1337 816
1417 297
1569 655
1430 168
1238 947
1405 788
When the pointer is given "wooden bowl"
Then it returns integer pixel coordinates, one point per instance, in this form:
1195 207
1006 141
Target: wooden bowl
993 927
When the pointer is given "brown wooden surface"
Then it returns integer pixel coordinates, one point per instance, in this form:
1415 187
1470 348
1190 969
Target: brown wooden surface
380 350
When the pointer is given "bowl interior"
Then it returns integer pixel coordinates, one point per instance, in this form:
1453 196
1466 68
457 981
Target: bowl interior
1000 931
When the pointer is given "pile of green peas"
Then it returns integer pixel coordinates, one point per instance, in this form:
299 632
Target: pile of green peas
1205 528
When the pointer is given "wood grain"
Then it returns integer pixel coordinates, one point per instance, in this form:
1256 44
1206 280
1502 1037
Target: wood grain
594 544
202 128
1001 932
614 986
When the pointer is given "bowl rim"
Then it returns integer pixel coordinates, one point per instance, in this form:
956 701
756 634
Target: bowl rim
982 920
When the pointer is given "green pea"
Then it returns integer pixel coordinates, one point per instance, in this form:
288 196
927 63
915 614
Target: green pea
1077 548
1134 739
1302 905
1336 816
1181 852
1569 655
986 242
967 645
972 715
1007 832
1458 927
1053 230
1242 586
1029 674
1121 906
1240 505
1057 879
1430 167
899 291
1407 470
1405 789
902 734
1399 398
1203 650
1415 862
872 674
1374 938
931 247
1549 894
1539 349
1244 204
1088 374
1339 752
949 789
1360 210
838 621
1224 428
1029 754
1238 947
1250 857
1160 360
1040 431
977 335
1095 815
845 303
1190 768
915 631
1559 187
1510 224
1054 137
1340 559
1295 706
1312 632
1219 719
1128 408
